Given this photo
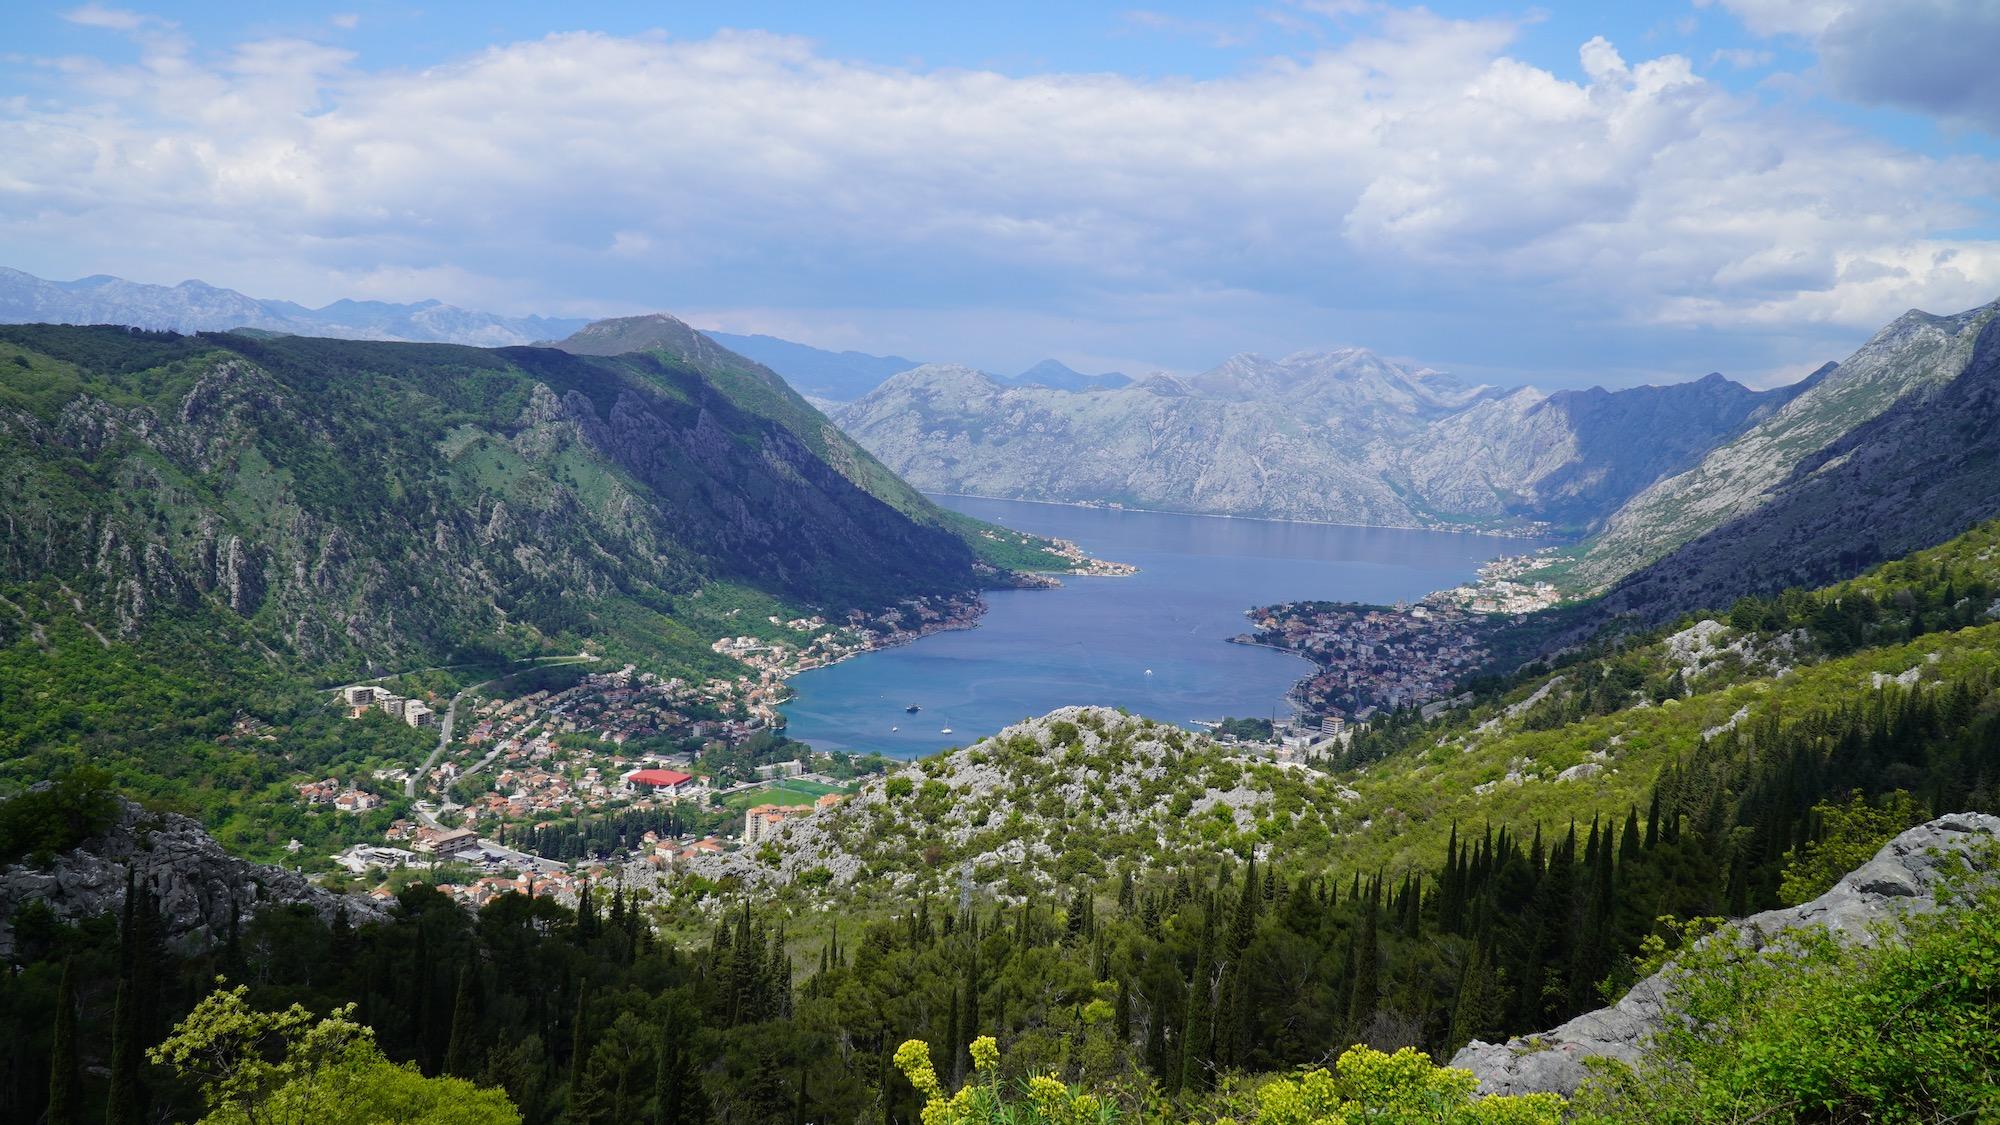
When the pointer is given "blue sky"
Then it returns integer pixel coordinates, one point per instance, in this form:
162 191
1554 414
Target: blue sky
1562 195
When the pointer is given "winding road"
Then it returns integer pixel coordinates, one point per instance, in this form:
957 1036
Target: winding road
451 712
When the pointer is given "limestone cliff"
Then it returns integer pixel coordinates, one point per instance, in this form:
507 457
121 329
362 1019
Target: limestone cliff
198 886
1903 878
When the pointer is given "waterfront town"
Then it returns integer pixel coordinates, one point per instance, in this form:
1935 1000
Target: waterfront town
1373 658
553 777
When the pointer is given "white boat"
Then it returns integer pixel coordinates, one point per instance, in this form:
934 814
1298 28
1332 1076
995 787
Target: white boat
946 730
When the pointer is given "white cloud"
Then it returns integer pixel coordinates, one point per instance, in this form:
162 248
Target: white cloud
110 19
750 171
1782 17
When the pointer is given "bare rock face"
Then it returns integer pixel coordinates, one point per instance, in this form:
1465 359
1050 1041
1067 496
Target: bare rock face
197 884
1901 880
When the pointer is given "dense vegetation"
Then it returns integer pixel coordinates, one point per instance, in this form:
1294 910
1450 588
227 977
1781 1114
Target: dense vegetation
1173 990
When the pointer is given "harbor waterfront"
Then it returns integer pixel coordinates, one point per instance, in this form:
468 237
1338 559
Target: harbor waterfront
1153 643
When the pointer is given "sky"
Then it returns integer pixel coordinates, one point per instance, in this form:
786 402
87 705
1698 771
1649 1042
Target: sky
1562 195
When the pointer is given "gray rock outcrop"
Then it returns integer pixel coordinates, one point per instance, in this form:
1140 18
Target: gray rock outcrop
1901 880
197 884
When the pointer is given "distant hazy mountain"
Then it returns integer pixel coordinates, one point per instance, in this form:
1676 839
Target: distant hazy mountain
1342 435
1057 375
816 372
194 306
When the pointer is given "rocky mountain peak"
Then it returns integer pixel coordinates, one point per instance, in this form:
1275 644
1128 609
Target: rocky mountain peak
1057 375
945 377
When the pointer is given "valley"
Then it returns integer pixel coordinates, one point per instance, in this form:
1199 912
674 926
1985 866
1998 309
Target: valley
709 735
1313 563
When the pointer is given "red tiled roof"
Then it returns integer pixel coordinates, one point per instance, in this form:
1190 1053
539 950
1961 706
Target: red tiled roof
665 779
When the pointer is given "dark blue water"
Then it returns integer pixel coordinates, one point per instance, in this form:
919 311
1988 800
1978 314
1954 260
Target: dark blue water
1153 643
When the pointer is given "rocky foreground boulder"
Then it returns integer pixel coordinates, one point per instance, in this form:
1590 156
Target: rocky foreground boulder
198 885
1901 880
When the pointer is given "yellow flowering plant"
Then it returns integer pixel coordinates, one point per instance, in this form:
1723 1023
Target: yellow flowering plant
1044 1100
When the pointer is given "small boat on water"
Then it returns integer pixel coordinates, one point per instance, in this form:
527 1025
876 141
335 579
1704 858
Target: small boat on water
913 709
946 730
893 730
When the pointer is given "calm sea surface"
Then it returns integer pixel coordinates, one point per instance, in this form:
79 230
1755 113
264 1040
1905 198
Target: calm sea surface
1152 643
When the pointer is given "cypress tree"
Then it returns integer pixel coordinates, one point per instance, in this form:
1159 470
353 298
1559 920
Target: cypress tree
121 1105
1244 924
576 1109
461 1054
65 1079
1366 978
125 1103
968 1023
1198 1031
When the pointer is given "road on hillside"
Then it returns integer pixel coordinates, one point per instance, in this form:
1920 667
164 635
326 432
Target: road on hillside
451 715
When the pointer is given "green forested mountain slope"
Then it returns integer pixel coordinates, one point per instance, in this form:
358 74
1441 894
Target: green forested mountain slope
762 390
370 505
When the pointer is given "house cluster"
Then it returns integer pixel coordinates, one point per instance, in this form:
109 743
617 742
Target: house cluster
558 885
761 821
447 842
1374 657
664 853
363 698
341 798
1503 586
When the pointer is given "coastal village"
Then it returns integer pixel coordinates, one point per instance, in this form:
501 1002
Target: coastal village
703 758
1376 658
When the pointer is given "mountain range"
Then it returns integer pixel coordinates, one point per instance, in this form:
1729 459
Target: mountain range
194 306
1342 436
842 377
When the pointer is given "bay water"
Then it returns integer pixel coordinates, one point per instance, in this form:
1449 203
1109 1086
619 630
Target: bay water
1154 643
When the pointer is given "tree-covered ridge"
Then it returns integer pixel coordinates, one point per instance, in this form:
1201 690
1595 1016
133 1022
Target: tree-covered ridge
1182 995
395 504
